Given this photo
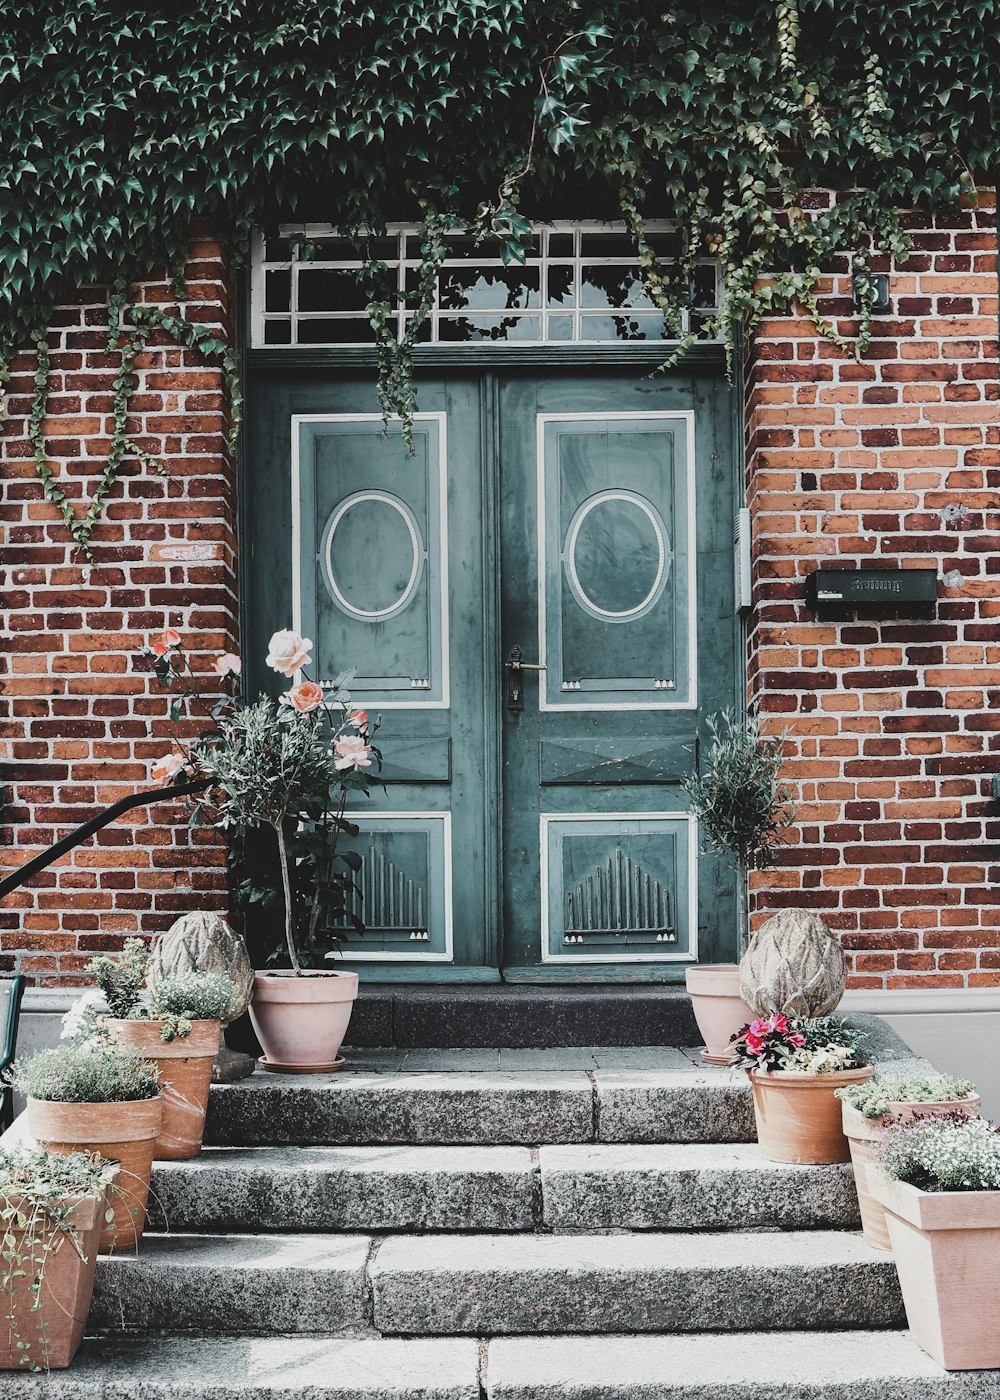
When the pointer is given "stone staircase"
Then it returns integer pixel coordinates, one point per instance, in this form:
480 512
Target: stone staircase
500 1225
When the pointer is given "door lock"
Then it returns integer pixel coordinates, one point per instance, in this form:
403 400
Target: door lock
515 679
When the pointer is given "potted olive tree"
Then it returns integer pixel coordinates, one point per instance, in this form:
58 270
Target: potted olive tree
795 1068
177 1026
868 1107
94 1096
51 1212
743 810
287 768
940 1187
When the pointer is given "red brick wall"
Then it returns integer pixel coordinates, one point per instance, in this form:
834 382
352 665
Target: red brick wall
79 723
894 724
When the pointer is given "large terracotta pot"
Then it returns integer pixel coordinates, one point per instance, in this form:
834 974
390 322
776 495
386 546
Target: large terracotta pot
301 1020
862 1133
185 1066
122 1132
718 1008
54 1331
946 1246
798 1116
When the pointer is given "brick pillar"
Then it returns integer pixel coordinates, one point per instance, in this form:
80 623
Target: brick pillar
893 724
80 723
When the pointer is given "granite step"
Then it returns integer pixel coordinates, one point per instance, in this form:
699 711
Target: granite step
260 1189
690 1186
876 1365
489 1097
658 1186
488 1285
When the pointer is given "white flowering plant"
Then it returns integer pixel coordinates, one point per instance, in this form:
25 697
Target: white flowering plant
285 767
950 1152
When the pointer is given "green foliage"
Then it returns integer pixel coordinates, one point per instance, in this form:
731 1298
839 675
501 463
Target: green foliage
121 979
874 1097
822 1031
123 123
947 1153
97 1071
738 798
194 996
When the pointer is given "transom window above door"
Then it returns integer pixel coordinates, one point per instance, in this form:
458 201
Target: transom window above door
580 284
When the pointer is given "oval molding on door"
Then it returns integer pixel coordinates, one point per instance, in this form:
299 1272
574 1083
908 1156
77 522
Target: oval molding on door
663 555
412 536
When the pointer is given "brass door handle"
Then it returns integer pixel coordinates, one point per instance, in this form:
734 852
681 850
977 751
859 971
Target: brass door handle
515 682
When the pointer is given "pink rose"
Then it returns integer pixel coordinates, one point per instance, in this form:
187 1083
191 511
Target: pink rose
359 719
287 652
305 697
351 752
758 1029
168 638
165 768
228 664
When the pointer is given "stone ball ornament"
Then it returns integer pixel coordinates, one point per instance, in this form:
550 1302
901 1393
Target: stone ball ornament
793 965
202 942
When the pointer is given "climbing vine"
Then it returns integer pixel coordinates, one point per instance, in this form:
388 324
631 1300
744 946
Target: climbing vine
125 123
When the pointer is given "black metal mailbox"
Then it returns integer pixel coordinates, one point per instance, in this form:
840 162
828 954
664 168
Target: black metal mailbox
848 590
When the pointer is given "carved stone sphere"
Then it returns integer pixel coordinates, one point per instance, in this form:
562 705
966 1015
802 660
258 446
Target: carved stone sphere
202 942
793 965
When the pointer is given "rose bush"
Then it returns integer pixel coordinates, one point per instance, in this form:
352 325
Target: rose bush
284 767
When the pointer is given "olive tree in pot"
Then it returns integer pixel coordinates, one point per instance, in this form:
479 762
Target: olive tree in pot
743 810
286 768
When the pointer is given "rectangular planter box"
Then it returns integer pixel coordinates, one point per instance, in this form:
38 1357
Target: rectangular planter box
946 1245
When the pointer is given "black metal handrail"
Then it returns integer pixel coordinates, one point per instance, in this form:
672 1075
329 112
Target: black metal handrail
31 867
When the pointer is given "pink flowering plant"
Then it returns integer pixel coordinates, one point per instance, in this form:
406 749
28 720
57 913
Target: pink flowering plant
779 1042
284 768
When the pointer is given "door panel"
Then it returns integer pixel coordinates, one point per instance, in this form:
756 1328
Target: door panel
377 555
617 580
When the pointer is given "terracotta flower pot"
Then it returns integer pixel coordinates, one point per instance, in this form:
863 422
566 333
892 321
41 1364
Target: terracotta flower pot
946 1245
301 1021
122 1132
718 1008
185 1066
798 1117
54 1331
862 1133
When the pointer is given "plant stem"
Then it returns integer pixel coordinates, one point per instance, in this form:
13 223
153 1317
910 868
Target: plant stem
287 887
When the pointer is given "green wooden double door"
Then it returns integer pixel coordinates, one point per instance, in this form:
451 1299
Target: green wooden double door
538 603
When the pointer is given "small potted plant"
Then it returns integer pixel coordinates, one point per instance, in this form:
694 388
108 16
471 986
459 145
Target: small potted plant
869 1106
52 1210
286 768
743 810
794 1069
940 1186
93 1095
178 1027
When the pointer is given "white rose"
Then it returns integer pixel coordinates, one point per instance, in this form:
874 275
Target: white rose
287 652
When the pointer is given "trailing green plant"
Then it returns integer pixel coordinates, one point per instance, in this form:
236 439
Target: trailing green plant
93 1071
946 1153
122 979
191 996
39 1194
875 1097
123 124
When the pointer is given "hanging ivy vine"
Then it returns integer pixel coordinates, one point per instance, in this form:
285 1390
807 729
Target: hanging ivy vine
123 123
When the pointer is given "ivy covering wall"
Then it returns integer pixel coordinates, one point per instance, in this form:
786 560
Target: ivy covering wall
121 123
